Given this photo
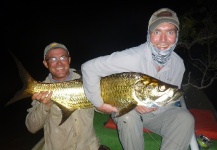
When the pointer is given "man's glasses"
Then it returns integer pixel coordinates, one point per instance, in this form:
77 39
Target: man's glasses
54 59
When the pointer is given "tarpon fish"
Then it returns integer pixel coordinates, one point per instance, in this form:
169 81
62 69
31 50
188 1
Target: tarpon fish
124 90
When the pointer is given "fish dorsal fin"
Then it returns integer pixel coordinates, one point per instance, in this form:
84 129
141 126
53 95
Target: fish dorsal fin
65 112
126 109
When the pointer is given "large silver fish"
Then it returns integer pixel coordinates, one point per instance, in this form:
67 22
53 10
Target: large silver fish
124 90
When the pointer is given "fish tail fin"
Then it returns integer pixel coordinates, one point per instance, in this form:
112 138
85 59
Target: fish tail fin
27 80
18 96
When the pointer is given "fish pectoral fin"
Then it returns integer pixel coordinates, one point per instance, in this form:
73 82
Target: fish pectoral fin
65 113
125 110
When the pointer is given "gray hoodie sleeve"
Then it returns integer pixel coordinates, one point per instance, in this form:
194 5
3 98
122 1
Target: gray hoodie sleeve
92 70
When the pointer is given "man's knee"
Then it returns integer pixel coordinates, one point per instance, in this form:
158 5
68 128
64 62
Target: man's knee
127 121
187 118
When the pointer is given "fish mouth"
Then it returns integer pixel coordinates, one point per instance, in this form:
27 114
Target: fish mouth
177 94
169 98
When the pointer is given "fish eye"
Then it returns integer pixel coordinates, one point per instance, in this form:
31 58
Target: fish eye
161 88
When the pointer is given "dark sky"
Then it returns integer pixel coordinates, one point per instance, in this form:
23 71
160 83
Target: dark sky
88 29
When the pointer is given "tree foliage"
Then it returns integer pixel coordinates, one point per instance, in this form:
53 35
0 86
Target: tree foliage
198 38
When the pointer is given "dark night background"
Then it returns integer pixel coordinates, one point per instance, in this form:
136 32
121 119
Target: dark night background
87 29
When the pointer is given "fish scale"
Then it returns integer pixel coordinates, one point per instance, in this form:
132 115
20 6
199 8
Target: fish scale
124 90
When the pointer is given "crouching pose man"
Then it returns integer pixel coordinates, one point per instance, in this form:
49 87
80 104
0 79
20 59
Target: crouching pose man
155 57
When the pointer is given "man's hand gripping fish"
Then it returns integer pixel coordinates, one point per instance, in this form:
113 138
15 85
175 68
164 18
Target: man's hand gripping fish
124 90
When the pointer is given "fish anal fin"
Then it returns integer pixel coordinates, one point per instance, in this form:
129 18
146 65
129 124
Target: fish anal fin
126 109
65 112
